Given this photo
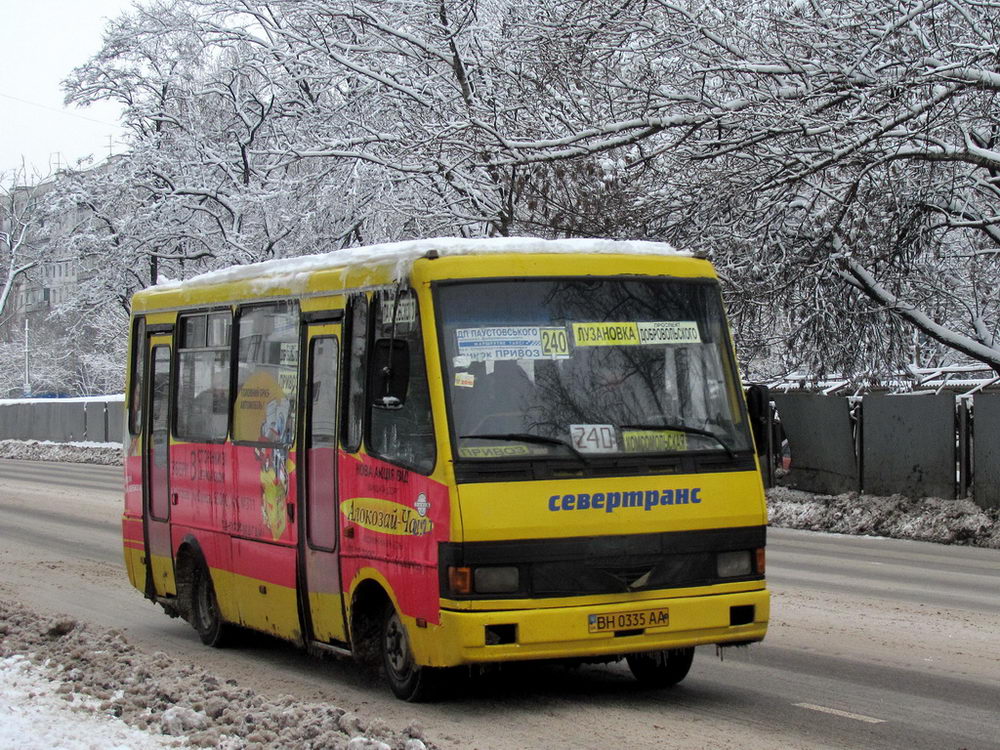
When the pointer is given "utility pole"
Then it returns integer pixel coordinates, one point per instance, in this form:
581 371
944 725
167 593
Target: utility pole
27 379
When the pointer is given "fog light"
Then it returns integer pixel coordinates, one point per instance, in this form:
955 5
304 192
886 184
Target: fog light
733 564
496 580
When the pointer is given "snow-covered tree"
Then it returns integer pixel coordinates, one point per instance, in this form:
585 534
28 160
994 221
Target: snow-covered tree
21 219
838 161
864 167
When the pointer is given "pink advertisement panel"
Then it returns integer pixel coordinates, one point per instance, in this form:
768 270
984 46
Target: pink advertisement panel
392 519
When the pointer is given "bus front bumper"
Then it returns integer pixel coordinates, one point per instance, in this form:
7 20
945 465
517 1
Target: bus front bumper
470 637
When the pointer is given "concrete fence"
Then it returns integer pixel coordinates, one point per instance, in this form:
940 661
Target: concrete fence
930 445
98 419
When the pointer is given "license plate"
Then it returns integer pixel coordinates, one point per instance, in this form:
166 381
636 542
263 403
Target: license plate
634 620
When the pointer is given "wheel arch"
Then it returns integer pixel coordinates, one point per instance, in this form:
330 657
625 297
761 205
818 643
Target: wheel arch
189 554
370 594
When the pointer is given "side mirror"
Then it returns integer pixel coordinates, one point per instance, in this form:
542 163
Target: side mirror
390 373
758 405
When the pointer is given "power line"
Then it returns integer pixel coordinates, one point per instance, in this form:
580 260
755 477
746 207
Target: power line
60 111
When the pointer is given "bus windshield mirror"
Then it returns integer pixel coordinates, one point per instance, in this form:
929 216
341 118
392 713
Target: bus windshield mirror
391 373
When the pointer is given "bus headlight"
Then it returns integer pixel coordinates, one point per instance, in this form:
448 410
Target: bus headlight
733 564
496 580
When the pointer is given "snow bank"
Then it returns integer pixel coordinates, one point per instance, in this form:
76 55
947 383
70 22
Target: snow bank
929 519
67 685
108 454
37 714
115 397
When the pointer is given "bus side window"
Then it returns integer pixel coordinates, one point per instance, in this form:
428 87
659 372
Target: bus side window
357 366
267 376
403 434
137 376
203 377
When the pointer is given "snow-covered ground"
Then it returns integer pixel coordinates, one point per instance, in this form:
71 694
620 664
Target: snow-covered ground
70 686
36 715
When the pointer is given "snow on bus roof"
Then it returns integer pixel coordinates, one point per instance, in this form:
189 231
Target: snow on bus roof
405 253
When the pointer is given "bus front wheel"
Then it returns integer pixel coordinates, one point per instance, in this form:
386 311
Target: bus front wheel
407 679
660 669
205 615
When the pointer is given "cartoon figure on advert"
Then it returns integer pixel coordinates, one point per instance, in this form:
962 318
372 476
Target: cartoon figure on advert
275 466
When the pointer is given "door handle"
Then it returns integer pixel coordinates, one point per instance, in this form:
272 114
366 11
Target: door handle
174 499
290 507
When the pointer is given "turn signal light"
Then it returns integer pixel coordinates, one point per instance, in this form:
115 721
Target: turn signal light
760 560
460 580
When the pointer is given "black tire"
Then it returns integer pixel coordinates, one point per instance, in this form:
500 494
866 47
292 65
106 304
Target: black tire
205 615
660 669
407 680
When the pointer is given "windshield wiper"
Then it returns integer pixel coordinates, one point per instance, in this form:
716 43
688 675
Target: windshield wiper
527 437
682 428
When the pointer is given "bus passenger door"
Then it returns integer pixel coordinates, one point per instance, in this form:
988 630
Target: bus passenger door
156 471
322 599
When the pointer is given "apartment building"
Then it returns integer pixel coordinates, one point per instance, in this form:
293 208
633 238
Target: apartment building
55 273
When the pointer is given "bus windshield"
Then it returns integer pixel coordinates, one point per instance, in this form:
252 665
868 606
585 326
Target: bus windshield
588 368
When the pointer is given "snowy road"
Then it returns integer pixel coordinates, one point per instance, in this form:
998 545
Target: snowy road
874 643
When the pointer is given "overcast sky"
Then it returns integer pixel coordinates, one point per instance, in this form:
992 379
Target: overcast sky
41 41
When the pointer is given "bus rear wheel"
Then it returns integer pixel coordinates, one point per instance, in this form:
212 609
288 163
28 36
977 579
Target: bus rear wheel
407 680
660 669
205 615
